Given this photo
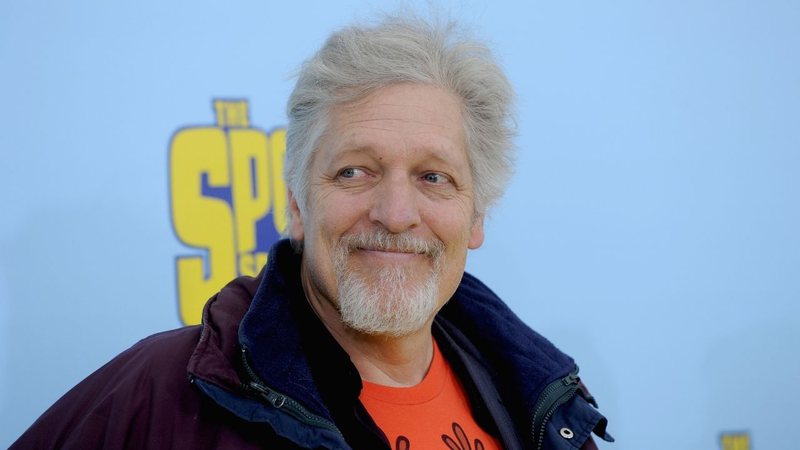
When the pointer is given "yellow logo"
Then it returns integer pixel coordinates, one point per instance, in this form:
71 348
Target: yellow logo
228 201
735 441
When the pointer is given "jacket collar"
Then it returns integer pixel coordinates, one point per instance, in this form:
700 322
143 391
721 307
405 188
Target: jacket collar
521 362
287 343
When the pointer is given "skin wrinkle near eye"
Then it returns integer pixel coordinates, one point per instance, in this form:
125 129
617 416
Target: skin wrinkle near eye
449 172
444 188
429 168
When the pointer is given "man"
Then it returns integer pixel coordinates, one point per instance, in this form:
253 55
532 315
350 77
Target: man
364 332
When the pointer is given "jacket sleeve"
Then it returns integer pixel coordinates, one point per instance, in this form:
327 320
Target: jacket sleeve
128 401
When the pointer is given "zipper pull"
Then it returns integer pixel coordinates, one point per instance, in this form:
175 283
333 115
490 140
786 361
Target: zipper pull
572 378
274 399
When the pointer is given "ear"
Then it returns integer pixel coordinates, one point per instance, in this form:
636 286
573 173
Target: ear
476 233
296 231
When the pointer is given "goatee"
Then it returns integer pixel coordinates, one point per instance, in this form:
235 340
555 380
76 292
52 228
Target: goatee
390 302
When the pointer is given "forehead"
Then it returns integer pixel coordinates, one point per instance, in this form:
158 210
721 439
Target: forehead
404 117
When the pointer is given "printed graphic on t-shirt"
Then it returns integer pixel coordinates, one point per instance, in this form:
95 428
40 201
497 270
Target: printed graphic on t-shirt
458 441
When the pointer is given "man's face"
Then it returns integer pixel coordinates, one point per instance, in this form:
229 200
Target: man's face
389 215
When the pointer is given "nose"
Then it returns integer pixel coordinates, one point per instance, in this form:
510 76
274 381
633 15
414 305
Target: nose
394 205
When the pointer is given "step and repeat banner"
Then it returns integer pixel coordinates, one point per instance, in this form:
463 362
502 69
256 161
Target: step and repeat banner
652 228
228 197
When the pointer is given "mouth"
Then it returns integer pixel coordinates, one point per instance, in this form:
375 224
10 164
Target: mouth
384 247
389 254
389 250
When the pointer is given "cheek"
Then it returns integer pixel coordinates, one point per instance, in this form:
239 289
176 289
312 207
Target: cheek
452 226
326 216
340 213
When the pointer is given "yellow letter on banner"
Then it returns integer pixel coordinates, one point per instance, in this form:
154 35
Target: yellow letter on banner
251 192
277 142
735 441
201 221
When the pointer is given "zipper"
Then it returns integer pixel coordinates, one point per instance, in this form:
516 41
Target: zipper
284 402
554 395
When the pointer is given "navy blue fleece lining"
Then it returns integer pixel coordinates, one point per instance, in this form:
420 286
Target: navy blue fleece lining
271 332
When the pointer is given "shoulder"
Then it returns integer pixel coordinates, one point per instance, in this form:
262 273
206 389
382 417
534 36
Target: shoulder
156 360
146 381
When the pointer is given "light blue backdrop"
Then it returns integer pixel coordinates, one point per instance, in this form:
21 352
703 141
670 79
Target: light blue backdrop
651 231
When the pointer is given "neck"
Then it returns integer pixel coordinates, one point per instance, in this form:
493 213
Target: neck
386 360
390 361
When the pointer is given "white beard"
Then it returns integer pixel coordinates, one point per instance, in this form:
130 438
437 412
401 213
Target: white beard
390 304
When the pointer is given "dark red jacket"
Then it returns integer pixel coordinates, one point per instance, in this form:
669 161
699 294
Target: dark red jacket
262 372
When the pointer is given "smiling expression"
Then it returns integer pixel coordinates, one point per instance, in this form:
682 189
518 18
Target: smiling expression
393 164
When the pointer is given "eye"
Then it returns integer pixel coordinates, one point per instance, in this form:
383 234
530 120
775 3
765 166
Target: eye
350 172
435 178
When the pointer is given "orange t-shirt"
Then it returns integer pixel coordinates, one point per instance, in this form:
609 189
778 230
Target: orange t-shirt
435 414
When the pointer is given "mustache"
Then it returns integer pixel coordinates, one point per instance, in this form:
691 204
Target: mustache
383 240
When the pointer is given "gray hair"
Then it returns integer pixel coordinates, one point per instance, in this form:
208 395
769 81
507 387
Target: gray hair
359 60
